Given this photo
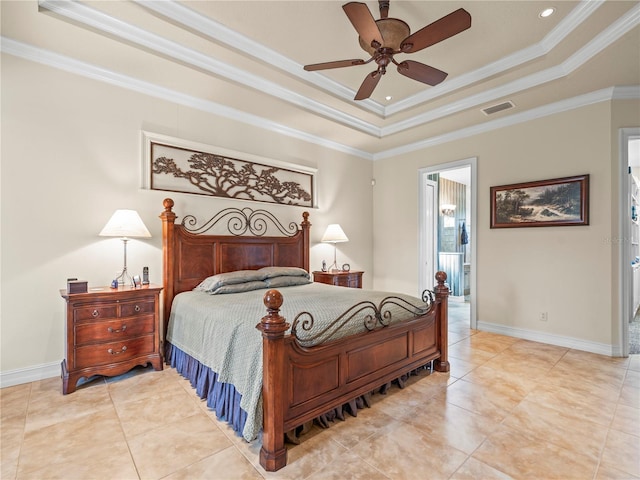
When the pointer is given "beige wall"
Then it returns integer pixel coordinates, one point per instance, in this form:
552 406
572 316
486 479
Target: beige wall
569 272
71 153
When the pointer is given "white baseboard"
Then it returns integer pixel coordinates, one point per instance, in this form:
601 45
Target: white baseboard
551 339
29 374
50 370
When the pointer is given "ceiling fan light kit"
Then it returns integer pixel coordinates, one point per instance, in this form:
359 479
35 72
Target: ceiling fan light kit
393 32
386 37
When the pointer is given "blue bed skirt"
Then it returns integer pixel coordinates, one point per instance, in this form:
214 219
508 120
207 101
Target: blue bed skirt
221 397
225 400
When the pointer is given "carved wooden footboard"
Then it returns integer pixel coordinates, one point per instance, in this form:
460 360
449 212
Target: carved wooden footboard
301 383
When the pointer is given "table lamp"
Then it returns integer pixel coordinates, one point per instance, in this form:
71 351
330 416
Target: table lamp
126 224
334 234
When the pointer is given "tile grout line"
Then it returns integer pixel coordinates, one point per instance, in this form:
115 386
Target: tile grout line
124 435
24 429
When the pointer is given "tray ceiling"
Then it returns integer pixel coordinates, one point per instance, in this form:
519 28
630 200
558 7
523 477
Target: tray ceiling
244 59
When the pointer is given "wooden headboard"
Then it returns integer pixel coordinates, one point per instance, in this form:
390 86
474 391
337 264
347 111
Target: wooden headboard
190 255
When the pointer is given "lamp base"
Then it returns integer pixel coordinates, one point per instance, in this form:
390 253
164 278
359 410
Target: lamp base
334 268
124 278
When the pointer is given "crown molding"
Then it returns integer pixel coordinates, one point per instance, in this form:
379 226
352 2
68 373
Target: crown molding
118 29
578 15
191 19
614 93
45 57
210 28
77 67
206 26
476 100
626 92
612 33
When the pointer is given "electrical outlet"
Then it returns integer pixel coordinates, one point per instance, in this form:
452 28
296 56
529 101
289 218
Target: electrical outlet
544 316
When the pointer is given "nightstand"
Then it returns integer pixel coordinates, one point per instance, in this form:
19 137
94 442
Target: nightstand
341 279
110 331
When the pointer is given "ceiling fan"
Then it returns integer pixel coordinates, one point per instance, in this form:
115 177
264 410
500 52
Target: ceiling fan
386 37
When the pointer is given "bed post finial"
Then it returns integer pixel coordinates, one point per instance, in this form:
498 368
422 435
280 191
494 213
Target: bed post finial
273 454
273 301
442 299
168 204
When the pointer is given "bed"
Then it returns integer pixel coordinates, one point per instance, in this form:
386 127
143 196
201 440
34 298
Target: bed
302 361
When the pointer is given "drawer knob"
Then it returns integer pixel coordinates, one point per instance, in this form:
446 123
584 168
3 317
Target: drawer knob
112 352
137 308
95 313
121 329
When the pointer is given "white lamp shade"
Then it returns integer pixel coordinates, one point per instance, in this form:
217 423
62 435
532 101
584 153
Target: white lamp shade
334 234
125 223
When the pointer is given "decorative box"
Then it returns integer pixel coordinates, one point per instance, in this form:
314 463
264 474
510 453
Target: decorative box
76 286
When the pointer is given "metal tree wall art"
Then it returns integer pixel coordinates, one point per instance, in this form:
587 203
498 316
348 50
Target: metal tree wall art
183 170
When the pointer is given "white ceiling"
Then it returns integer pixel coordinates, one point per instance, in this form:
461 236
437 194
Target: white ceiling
244 59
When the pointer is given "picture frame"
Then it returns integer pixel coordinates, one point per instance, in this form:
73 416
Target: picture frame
558 202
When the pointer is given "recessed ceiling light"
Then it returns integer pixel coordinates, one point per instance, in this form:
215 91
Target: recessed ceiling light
547 12
388 97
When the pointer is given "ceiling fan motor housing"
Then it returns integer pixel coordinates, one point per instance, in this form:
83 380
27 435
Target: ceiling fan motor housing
393 32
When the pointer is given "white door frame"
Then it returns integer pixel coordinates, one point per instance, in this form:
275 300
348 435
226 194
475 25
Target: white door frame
473 215
625 281
427 234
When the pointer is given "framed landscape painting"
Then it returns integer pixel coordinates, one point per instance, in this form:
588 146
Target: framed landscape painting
544 203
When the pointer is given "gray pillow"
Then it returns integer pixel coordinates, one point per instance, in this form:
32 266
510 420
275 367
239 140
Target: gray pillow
229 278
239 287
286 281
272 272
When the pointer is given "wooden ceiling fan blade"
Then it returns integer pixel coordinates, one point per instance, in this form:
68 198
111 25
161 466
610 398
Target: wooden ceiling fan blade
336 64
441 29
368 86
421 72
364 23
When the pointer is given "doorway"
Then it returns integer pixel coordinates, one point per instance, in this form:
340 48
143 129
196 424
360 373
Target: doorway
447 232
630 247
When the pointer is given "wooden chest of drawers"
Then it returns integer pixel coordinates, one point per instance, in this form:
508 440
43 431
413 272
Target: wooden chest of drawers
110 331
341 279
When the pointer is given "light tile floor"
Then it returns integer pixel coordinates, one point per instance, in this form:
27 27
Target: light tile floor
508 409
